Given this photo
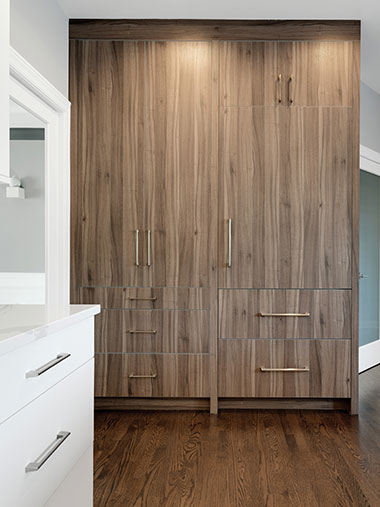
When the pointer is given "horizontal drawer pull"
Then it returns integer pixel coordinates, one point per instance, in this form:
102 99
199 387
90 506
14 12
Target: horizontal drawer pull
262 314
285 369
34 466
151 375
138 331
36 373
142 299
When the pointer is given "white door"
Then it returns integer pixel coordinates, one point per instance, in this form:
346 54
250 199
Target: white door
369 264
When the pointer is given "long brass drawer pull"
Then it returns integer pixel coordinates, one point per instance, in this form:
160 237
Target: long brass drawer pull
134 375
263 314
142 299
34 466
45 367
138 331
285 369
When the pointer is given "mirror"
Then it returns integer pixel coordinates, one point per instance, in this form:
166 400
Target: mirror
22 212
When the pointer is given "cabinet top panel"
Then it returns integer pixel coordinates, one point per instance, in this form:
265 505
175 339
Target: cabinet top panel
179 29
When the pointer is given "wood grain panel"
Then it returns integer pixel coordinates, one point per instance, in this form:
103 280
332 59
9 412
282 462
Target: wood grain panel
286 182
178 158
322 73
167 298
328 360
176 331
107 126
330 314
183 376
150 29
249 73
354 409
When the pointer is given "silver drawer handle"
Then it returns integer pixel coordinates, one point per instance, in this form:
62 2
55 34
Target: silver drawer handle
262 314
142 299
34 466
141 331
285 369
151 375
45 367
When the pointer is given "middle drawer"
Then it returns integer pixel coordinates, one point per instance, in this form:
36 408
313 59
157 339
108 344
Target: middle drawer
152 331
285 313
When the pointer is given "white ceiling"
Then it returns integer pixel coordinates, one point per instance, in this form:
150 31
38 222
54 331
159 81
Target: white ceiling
366 10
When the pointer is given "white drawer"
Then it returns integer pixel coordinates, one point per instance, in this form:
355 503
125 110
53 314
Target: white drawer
16 390
24 438
77 488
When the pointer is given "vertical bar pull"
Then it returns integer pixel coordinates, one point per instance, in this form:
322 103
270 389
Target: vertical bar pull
149 263
279 91
290 89
229 264
137 247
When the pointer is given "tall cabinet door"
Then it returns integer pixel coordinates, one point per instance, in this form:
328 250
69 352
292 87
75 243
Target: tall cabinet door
178 161
106 89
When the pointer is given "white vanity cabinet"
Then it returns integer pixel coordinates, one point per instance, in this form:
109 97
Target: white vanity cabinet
46 413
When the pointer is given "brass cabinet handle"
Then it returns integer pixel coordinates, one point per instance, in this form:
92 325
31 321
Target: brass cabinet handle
137 247
262 314
149 260
151 375
34 466
229 263
140 331
279 85
285 369
142 299
290 89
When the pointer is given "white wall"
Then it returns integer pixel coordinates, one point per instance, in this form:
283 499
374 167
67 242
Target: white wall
39 32
369 118
4 70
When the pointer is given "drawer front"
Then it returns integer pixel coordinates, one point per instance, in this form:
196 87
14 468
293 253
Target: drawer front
25 372
148 375
170 331
319 368
151 298
24 438
318 314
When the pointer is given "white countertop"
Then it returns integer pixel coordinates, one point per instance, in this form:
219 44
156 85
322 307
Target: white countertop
21 324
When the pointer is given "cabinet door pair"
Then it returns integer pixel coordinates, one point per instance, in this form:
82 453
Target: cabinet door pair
285 201
142 116
285 73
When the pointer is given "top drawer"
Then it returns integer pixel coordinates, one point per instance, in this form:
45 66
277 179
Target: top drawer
150 298
31 370
285 313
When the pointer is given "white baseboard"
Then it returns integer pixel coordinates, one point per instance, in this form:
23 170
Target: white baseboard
22 288
369 355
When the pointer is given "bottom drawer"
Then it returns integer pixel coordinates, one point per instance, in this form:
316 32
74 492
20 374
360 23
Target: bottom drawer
31 435
152 375
306 368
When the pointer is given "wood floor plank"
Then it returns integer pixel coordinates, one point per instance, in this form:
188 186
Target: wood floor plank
240 458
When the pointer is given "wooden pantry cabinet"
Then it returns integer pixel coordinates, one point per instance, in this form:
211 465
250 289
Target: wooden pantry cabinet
215 210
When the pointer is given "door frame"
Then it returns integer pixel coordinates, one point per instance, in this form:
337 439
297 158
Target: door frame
36 94
369 354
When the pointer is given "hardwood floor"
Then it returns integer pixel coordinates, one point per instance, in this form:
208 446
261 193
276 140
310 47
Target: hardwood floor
241 458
